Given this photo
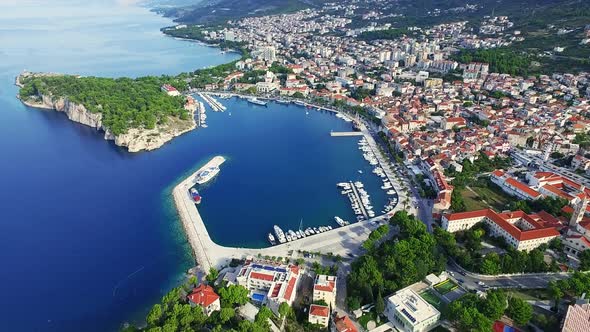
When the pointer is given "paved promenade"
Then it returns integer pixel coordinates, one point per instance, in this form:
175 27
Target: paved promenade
339 241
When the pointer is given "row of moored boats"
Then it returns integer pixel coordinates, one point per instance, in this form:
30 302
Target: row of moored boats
359 199
215 105
280 236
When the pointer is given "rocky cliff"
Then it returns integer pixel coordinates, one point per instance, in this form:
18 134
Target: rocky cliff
135 139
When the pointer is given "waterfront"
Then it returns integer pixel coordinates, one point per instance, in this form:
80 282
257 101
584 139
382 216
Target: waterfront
91 227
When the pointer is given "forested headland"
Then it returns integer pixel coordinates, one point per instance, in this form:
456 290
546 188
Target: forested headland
123 102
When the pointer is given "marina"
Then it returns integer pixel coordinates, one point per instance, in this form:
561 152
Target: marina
212 102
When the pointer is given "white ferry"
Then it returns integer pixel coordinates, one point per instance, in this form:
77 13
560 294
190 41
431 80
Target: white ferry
207 174
280 235
256 101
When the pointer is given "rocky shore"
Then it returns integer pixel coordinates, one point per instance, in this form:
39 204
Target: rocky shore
135 139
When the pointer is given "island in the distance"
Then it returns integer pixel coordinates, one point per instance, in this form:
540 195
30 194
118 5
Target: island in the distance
139 114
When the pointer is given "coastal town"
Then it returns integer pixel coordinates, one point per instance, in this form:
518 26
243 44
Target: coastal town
486 166
495 163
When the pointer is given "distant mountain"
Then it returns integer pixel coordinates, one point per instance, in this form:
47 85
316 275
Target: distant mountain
219 11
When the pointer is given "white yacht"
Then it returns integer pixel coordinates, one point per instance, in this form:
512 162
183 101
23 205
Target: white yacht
339 221
280 235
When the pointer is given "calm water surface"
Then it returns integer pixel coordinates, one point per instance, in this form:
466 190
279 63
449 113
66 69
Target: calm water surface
88 233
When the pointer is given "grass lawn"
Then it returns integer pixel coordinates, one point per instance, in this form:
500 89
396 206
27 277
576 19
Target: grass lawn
445 286
531 294
484 197
431 298
370 316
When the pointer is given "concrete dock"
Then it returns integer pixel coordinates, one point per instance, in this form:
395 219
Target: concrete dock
345 133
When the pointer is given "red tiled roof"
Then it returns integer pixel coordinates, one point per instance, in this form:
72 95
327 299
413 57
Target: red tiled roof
290 288
498 173
522 187
501 220
344 324
203 295
319 310
325 288
262 276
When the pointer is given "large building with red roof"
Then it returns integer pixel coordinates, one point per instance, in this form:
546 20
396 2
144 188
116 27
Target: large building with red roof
513 186
205 297
270 284
520 230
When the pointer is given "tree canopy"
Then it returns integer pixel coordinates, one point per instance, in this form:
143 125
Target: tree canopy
123 102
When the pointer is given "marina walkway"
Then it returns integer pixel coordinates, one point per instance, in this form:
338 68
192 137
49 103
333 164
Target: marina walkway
345 133
339 241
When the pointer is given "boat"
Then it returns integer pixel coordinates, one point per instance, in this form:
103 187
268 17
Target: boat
360 172
196 196
256 101
280 235
329 228
283 101
271 239
391 192
339 221
316 230
288 236
207 174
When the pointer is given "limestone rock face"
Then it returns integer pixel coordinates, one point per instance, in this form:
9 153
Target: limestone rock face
135 139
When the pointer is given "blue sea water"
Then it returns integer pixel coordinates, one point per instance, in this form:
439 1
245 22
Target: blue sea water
88 233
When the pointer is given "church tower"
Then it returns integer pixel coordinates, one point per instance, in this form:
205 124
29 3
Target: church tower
579 209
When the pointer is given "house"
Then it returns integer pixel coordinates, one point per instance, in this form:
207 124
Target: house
343 324
577 318
205 297
520 230
411 313
319 314
170 90
324 289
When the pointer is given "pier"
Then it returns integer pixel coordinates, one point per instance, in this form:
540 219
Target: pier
215 105
345 133
357 196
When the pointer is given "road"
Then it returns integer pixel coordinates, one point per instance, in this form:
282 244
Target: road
528 280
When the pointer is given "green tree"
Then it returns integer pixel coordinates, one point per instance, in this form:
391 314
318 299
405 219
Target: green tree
284 309
519 310
379 304
212 275
585 260
233 295
494 305
154 316
263 315
491 264
225 314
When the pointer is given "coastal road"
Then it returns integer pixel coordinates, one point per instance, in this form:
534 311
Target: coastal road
526 280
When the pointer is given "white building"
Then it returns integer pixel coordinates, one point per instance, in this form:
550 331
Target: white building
520 230
270 284
319 314
409 312
324 289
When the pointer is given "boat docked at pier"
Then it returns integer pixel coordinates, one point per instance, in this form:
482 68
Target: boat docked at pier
271 239
280 234
207 174
256 101
196 196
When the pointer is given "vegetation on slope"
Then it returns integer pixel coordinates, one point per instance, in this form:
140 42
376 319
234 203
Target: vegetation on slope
123 102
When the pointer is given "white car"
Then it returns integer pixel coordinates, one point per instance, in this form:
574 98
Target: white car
481 283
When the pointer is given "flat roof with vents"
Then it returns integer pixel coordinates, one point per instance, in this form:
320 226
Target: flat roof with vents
413 308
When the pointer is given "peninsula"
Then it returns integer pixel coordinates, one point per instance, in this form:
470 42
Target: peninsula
135 113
